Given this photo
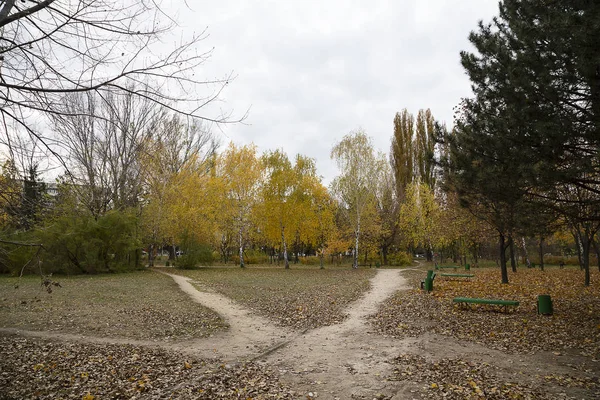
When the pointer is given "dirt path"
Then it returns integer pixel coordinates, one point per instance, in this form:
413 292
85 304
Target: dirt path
247 336
346 360
338 361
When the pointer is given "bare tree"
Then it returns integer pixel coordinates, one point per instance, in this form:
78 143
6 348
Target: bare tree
172 145
177 142
104 139
49 48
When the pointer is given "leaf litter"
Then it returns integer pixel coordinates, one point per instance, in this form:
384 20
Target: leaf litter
459 379
45 369
573 328
299 298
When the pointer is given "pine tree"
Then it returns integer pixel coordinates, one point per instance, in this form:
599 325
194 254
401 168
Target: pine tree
533 125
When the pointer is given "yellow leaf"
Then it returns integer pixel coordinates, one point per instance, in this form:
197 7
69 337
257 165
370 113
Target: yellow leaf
434 385
187 365
37 367
88 396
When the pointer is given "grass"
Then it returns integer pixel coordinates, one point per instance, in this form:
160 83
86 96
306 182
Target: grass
140 305
301 297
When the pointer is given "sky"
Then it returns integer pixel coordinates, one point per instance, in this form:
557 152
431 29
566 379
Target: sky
309 72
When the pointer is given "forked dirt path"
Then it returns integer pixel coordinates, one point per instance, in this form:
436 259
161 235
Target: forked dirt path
345 360
248 335
338 361
348 360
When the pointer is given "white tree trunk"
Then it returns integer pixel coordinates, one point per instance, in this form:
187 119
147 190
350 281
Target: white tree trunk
527 262
285 254
356 237
241 237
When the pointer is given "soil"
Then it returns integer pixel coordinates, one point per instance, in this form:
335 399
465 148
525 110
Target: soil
350 360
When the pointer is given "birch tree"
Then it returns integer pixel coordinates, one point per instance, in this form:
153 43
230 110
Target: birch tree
240 170
355 187
278 208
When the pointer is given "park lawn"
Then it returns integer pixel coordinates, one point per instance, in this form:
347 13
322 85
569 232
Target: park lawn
140 305
575 323
300 297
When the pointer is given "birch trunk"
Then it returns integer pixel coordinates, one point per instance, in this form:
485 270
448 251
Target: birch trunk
285 254
503 259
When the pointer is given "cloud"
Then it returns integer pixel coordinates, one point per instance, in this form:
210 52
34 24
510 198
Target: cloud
312 71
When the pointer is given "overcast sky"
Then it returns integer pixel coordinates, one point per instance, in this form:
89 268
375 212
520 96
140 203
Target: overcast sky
312 71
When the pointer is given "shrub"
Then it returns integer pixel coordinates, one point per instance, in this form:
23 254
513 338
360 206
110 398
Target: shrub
82 244
399 259
252 256
193 252
555 260
312 260
13 258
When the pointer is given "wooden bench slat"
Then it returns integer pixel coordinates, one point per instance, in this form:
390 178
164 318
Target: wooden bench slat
459 275
485 301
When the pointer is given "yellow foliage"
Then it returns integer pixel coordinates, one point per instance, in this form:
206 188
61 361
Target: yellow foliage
419 215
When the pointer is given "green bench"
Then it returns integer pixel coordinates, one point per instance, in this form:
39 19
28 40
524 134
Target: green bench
446 267
458 275
470 300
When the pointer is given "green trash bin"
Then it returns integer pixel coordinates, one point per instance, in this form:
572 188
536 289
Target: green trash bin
428 284
467 267
545 304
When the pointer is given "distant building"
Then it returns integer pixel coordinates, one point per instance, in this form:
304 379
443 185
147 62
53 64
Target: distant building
51 189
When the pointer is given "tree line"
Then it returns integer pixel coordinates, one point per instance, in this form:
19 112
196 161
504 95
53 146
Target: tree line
142 180
143 171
